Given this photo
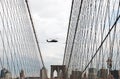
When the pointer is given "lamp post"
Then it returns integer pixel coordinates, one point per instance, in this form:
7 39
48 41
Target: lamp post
109 64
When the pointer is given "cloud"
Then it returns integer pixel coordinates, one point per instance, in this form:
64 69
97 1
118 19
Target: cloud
50 8
49 28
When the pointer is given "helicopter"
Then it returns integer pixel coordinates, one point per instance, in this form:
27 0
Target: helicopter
53 40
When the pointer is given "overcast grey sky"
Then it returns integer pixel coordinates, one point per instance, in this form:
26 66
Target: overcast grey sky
51 19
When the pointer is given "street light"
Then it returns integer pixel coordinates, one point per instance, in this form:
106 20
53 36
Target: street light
109 64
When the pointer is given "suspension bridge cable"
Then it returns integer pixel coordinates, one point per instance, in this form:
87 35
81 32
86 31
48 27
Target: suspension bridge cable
103 30
11 18
35 33
102 42
8 42
114 32
3 24
22 23
96 38
68 30
75 33
8 64
13 23
1 59
25 42
16 31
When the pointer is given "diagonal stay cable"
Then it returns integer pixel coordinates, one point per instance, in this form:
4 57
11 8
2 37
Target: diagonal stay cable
35 33
71 12
117 19
80 8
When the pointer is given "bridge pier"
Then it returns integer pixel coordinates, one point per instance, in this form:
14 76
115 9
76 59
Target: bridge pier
92 74
22 74
60 71
102 73
43 73
76 75
5 74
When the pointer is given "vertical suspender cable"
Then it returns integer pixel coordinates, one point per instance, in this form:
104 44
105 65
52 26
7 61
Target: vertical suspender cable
102 42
